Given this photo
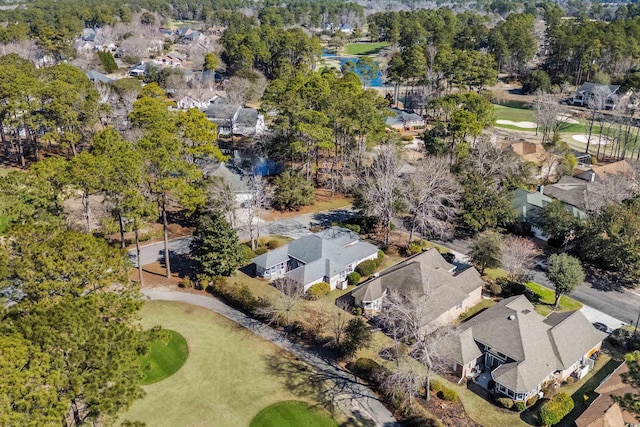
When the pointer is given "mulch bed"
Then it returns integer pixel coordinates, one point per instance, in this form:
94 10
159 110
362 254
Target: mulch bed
451 414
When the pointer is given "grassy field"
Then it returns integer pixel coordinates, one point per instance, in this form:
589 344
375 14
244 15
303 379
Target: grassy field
3 224
514 114
164 358
230 376
365 48
293 414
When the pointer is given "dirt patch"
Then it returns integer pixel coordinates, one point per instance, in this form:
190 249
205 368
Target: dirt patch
154 276
451 414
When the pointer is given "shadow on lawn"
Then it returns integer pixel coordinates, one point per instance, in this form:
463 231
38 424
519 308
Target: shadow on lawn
326 388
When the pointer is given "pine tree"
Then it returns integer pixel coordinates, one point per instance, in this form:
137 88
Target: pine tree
215 246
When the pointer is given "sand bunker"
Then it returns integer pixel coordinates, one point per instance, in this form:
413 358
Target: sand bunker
566 119
524 125
595 139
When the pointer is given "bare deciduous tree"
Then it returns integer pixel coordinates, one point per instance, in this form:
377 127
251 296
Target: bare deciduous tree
287 301
406 317
252 208
222 198
550 116
612 189
518 257
240 90
433 194
339 320
380 187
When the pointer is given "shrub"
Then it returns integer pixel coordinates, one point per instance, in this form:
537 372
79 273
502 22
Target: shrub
273 244
353 278
407 137
368 370
107 61
357 311
520 406
187 282
495 288
448 394
291 191
436 386
352 227
414 248
366 268
261 251
571 380
532 400
318 290
380 257
236 295
553 411
247 253
505 402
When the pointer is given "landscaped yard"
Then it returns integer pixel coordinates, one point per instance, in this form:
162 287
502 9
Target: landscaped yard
293 414
229 377
165 358
365 48
547 297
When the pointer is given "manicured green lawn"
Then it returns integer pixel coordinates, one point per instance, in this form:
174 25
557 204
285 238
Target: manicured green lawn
228 378
165 358
292 414
547 297
365 48
514 114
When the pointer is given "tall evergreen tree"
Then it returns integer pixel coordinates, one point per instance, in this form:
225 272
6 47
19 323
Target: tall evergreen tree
215 246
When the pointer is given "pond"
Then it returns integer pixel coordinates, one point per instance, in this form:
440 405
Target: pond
377 82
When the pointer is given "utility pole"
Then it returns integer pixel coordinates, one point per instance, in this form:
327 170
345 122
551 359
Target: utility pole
635 329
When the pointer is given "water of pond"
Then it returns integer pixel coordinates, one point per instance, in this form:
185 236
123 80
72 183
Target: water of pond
377 82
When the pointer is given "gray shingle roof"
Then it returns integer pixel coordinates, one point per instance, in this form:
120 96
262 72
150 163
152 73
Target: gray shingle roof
569 190
537 345
324 254
426 275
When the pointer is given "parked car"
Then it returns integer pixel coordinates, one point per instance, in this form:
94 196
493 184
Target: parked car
541 264
602 327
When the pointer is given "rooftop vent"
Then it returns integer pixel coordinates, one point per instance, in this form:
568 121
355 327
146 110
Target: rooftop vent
511 317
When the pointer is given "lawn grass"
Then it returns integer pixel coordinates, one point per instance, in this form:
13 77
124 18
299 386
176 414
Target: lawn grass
495 273
481 306
230 376
514 114
585 395
292 414
164 358
365 48
546 296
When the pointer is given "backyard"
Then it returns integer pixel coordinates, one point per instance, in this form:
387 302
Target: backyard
228 378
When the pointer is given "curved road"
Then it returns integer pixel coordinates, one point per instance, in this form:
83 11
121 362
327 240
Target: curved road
350 396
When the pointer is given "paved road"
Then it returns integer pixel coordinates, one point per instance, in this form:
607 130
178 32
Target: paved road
155 251
350 396
293 227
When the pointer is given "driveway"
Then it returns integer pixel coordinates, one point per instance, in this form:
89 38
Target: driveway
351 397
155 251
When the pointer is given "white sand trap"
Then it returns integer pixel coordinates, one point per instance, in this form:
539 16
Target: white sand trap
595 139
566 119
524 125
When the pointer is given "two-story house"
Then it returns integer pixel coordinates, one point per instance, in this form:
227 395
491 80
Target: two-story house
521 349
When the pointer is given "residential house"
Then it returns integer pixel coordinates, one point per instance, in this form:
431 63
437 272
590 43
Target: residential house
326 256
233 119
140 69
446 291
168 34
171 59
83 46
97 77
187 102
536 154
183 31
603 411
88 35
521 349
572 191
193 37
403 120
346 28
601 172
231 176
530 204
605 96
